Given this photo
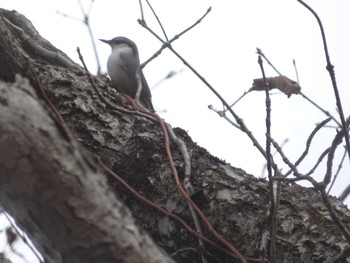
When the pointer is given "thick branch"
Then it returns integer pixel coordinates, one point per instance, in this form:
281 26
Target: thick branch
57 193
132 144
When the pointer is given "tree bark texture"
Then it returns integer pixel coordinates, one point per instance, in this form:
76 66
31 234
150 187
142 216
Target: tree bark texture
52 186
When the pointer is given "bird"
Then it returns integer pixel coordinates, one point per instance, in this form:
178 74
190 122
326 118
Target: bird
122 65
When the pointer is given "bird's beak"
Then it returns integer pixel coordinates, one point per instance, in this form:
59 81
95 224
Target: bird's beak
105 41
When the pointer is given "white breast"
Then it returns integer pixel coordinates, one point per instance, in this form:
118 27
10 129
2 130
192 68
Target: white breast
114 63
116 70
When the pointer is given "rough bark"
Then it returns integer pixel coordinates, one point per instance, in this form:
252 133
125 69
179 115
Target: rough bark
57 192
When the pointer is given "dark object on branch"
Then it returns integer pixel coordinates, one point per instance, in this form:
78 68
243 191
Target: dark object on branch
282 83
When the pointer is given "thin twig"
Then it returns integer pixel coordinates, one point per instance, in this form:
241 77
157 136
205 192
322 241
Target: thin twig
265 165
299 176
296 70
158 20
308 142
86 22
141 10
222 114
336 141
237 100
91 80
330 69
259 51
284 157
320 108
268 119
170 75
272 185
340 166
167 43
319 160
192 26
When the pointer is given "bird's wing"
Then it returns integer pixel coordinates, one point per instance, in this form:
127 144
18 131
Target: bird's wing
131 63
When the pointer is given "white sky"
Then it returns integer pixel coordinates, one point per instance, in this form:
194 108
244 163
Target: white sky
222 48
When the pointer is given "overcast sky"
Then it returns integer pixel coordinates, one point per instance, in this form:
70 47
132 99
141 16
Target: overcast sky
222 49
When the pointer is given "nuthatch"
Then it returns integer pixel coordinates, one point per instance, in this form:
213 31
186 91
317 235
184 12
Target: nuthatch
122 66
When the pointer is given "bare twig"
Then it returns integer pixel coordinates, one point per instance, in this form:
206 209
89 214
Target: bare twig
265 165
284 157
222 114
158 20
91 80
272 185
86 22
141 10
268 119
296 70
259 51
308 142
340 166
320 108
336 141
239 121
330 69
167 44
319 160
192 26
170 75
299 176
237 100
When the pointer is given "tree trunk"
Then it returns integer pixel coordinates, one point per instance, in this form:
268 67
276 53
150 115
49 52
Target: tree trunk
56 192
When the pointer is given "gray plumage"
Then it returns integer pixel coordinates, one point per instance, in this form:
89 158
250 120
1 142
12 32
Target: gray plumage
122 66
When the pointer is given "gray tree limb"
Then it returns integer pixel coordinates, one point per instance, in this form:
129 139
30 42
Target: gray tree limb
56 187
